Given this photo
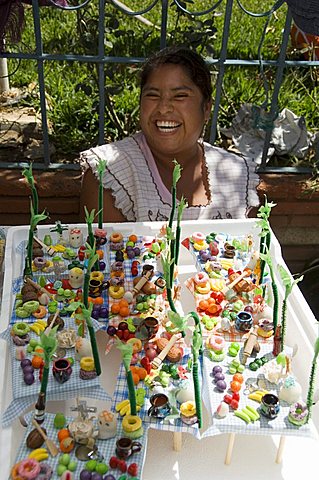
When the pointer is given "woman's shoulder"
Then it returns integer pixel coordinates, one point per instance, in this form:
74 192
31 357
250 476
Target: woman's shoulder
111 152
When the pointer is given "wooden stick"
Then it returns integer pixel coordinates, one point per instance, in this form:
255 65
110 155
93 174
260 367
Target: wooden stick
50 251
233 283
157 362
52 448
230 446
49 328
39 288
280 450
177 441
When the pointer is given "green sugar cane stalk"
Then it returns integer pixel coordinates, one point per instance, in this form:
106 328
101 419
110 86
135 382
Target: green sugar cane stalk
101 167
49 344
196 347
34 220
126 350
87 310
312 380
267 259
288 284
198 326
27 173
167 262
177 171
180 209
264 214
89 218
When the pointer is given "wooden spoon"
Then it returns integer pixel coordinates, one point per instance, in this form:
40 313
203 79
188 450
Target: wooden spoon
52 448
237 280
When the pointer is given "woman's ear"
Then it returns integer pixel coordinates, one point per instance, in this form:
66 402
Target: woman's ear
207 110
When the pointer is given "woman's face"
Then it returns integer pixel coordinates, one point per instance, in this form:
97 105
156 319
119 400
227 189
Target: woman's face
172 111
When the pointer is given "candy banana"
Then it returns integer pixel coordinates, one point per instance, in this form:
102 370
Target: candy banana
39 454
38 327
257 395
243 415
121 404
251 412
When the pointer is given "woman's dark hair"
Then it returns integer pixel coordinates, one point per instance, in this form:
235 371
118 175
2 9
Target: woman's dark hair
193 63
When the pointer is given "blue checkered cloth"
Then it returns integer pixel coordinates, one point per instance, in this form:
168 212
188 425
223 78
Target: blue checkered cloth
23 396
232 424
176 425
105 448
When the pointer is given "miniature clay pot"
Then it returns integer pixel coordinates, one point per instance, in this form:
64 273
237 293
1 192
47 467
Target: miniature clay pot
62 370
125 447
244 321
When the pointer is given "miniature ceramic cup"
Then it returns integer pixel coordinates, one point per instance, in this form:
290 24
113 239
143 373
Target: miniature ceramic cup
61 370
160 406
243 321
125 447
269 405
95 288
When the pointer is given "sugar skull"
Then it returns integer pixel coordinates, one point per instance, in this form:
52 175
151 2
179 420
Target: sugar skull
76 277
75 237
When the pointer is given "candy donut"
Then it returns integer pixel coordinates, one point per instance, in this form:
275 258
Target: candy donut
21 341
131 423
87 364
201 278
215 343
198 237
21 312
97 276
116 237
137 344
117 274
20 329
31 306
117 281
39 262
117 266
46 471
85 375
29 468
40 312
298 413
116 291
203 289
200 246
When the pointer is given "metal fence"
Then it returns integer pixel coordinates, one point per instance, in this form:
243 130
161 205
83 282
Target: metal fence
101 59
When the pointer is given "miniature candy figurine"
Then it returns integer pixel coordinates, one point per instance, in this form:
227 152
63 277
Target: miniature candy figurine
107 425
75 237
76 277
82 348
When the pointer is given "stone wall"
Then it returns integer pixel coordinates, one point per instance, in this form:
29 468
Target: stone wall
295 219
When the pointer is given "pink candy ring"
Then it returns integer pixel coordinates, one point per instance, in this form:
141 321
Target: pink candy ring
198 237
29 468
201 278
215 343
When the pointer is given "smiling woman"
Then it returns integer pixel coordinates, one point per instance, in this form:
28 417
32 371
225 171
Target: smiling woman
175 105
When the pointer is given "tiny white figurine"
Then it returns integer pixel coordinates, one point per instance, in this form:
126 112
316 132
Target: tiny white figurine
82 348
76 277
107 425
75 237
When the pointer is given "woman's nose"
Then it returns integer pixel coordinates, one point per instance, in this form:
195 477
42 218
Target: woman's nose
165 105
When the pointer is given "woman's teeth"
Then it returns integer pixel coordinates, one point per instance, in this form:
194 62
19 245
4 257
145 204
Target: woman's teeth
167 126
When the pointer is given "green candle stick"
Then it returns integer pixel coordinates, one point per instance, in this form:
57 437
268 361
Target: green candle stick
312 379
288 284
180 209
265 235
267 259
27 173
177 172
126 350
101 167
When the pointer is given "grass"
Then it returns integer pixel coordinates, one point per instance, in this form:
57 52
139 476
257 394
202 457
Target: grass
72 88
